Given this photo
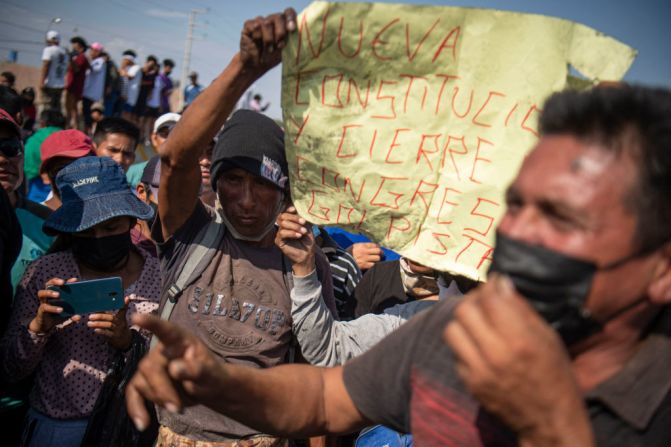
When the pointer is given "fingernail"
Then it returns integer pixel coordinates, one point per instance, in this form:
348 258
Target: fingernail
302 221
139 424
59 309
303 230
172 408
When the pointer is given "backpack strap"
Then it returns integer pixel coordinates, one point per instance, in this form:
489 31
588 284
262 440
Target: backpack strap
205 246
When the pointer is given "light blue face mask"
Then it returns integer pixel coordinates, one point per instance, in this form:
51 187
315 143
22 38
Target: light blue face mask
237 235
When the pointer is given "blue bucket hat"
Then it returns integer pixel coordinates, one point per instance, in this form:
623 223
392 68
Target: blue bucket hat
93 190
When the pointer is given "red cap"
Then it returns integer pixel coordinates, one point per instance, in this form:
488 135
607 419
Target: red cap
69 143
6 118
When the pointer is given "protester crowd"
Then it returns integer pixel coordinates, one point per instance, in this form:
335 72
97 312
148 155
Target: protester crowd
243 325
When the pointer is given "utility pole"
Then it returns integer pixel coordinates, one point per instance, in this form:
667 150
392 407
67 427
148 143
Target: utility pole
186 60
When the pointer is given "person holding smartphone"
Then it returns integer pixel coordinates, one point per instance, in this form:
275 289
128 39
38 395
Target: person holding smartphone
70 357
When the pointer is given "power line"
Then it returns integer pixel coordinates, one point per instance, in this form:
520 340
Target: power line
186 59
132 8
226 30
202 4
97 29
163 7
114 35
26 27
24 42
202 61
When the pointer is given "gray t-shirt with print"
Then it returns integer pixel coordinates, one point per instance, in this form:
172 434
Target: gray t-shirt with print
240 307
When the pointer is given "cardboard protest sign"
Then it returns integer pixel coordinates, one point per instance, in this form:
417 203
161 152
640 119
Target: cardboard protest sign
407 123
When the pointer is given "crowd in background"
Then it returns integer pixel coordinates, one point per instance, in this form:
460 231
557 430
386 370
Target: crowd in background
89 85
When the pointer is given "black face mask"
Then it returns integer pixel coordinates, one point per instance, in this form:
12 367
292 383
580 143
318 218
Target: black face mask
101 253
554 284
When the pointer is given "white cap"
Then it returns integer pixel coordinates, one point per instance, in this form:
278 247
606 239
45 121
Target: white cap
166 118
53 35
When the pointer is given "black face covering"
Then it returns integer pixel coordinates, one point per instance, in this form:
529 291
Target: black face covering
555 285
101 253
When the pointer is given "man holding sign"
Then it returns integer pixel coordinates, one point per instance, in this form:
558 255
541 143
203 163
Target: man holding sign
583 248
224 279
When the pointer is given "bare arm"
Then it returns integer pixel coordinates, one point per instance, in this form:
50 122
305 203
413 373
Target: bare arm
305 401
289 400
180 173
44 72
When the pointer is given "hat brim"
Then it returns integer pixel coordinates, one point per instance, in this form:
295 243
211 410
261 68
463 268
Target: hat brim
82 215
74 153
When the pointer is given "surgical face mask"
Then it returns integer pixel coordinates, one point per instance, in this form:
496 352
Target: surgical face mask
417 285
101 253
556 285
237 235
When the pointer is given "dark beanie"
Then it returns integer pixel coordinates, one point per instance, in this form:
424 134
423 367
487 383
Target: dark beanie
253 142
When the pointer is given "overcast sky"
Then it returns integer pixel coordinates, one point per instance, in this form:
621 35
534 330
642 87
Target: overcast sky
159 27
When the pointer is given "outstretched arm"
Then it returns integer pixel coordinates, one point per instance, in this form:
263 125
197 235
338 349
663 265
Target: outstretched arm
289 400
260 44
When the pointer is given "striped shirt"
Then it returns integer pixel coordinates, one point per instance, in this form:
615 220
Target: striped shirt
346 275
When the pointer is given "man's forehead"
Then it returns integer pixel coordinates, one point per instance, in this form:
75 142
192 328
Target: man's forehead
117 139
575 171
242 172
565 154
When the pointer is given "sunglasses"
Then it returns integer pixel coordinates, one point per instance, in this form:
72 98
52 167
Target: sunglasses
11 147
